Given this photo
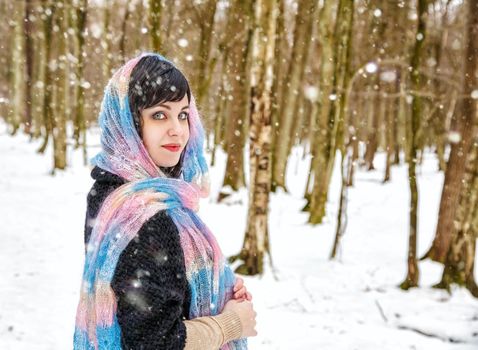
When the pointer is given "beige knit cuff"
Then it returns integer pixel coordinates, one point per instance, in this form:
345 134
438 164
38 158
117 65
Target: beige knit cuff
230 324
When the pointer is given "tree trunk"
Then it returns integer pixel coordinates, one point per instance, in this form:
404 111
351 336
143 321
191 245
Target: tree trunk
399 109
29 54
238 49
61 97
280 70
345 163
460 260
106 43
323 131
17 75
332 112
455 168
80 120
292 89
49 10
411 280
39 87
122 39
372 142
390 142
154 16
256 241
220 112
205 20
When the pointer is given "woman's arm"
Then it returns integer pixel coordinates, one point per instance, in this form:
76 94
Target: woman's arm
211 332
149 285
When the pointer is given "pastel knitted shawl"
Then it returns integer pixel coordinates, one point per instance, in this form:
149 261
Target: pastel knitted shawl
124 211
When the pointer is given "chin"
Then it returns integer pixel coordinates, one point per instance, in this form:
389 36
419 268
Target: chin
167 164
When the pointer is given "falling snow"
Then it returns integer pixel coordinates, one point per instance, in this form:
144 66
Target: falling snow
183 42
311 92
371 67
454 136
377 13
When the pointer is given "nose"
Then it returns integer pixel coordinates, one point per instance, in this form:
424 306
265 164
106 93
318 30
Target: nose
175 128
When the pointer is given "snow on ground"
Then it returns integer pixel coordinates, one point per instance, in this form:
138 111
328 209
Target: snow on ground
308 302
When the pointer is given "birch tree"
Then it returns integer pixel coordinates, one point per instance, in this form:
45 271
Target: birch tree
256 240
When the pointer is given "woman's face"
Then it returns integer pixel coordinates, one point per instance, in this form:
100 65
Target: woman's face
165 130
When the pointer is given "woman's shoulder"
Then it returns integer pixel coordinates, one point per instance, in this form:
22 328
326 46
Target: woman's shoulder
105 183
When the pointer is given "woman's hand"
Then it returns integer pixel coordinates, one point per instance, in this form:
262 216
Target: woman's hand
240 291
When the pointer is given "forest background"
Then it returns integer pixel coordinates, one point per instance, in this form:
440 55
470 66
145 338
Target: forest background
346 82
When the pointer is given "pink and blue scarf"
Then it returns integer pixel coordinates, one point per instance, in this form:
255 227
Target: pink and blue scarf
125 210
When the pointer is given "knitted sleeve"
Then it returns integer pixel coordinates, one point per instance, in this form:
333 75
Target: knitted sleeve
149 284
211 332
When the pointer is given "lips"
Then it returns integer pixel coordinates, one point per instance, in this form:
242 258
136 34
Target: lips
173 147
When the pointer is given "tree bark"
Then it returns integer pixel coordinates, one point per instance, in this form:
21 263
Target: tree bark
323 131
390 142
460 259
49 10
80 120
59 108
411 280
292 89
256 241
29 55
334 111
154 16
205 19
237 63
455 168
17 75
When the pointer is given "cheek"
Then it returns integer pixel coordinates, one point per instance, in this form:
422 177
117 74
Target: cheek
151 137
186 133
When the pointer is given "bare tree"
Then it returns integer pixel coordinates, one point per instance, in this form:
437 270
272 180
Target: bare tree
80 17
292 88
456 163
411 280
237 52
256 240
28 36
17 74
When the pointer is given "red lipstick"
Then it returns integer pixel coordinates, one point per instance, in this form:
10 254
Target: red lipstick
173 147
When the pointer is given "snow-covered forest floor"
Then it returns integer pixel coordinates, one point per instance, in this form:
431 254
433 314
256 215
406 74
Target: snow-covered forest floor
309 302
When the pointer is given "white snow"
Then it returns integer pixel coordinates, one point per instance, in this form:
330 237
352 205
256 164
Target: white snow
309 301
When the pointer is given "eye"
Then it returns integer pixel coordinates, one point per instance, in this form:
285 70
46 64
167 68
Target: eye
183 116
157 116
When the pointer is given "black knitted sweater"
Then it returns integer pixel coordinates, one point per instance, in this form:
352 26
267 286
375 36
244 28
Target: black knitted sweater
150 278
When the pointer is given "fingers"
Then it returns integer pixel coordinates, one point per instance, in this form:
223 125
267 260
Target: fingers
240 293
239 283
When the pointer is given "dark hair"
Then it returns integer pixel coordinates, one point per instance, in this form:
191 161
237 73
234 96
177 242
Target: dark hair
154 81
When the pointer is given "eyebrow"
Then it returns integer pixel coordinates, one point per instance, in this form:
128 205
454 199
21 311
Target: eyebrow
169 108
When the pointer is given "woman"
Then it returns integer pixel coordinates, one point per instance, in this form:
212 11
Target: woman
154 276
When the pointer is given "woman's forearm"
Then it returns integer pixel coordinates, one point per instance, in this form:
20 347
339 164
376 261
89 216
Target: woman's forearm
211 332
